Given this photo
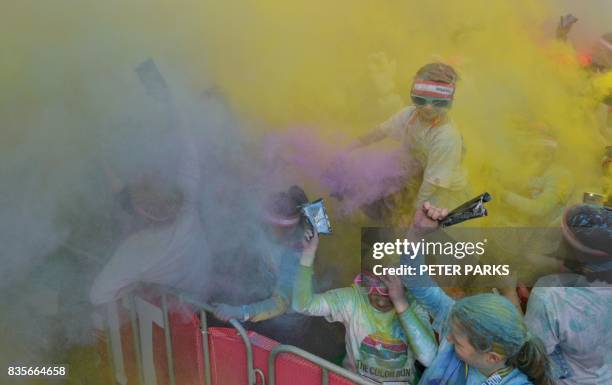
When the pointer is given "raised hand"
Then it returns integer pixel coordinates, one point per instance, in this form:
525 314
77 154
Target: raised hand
382 71
396 292
565 25
310 244
427 218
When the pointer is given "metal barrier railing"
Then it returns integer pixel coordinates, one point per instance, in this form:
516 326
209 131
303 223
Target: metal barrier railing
136 338
252 372
205 347
204 307
168 340
325 365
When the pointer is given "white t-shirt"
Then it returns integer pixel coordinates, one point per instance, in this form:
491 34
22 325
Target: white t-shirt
169 255
575 324
436 151
376 345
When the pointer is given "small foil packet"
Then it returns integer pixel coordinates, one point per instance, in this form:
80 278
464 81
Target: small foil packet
153 81
591 198
473 208
317 216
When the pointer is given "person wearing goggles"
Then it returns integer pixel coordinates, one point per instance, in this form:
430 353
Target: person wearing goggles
376 314
432 147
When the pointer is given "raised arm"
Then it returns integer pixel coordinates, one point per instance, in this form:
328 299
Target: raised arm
414 322
157 88
371 137
332 304
392 127
272 307
427 293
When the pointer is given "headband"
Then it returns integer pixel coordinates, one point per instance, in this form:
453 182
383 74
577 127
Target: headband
281 221
605 43
433 89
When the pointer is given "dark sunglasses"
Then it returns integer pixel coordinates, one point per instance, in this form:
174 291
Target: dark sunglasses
422 101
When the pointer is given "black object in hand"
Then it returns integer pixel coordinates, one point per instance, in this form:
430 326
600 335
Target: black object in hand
473 208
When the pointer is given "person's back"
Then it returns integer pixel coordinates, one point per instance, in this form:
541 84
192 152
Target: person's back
571 311
574 325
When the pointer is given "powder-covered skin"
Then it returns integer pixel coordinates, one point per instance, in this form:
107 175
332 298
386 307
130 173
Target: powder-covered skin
380 346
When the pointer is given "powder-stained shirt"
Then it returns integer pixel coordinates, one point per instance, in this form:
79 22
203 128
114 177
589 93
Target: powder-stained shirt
573 320
376 343
436 151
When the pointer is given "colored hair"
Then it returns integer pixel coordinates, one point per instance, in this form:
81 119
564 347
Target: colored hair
493 324
286 203
437 72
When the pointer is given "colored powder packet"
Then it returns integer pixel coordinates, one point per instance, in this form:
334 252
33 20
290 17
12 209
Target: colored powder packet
474 208
317 216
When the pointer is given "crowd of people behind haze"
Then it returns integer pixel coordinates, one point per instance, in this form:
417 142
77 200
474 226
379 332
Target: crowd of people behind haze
408 330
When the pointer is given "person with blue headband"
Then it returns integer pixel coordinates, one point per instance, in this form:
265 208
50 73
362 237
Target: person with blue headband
483 339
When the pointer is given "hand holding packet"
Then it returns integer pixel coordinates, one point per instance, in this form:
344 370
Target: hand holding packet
473 208
317 216
153 81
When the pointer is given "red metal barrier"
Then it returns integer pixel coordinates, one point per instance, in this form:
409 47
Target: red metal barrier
228 361
116 349
186 344
228 355
185 336
294 370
